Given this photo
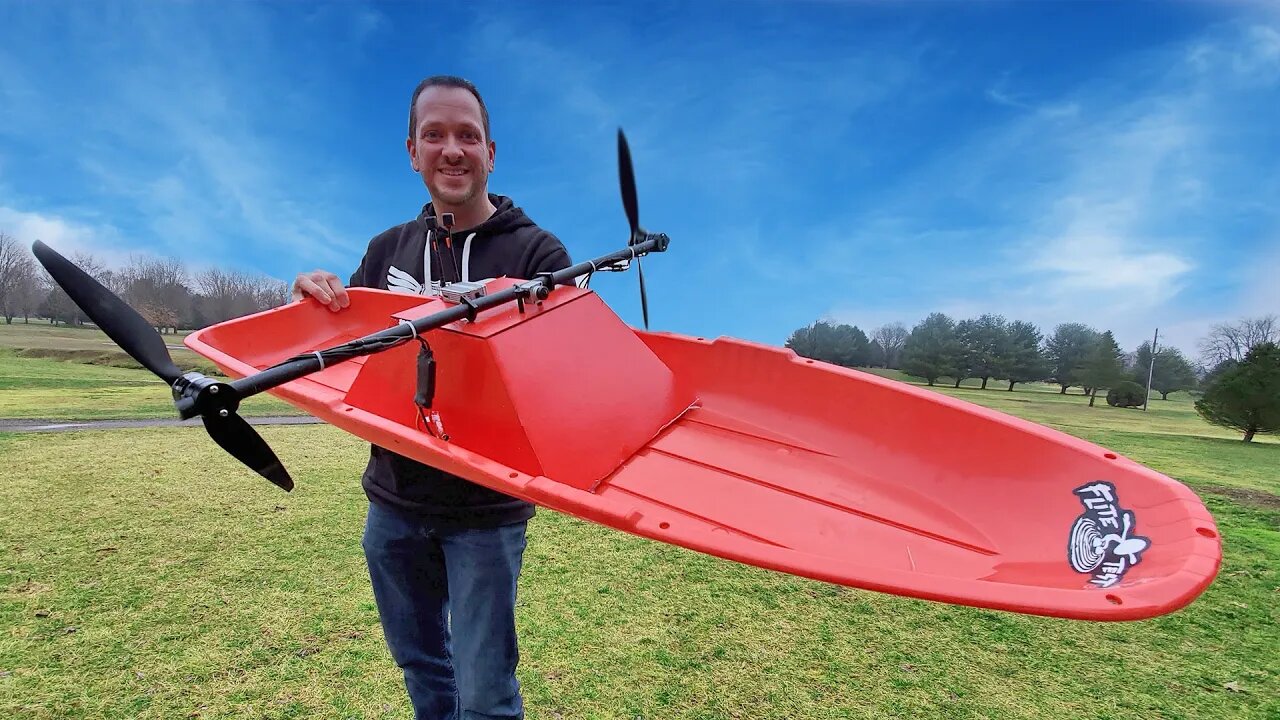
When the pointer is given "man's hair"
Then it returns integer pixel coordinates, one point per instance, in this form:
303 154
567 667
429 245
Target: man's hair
445 81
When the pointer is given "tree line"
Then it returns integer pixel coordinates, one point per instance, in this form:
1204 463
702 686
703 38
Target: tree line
1237 376
162 290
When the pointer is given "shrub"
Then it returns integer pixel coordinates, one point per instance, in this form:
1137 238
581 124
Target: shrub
1127 394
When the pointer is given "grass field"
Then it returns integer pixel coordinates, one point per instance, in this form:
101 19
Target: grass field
143 573
87 344
63 373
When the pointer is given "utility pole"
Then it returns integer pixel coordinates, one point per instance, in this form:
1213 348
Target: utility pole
1151 370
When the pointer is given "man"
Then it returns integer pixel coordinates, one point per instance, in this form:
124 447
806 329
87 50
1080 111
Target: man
444 554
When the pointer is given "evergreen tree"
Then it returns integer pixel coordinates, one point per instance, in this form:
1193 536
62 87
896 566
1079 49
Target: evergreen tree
1102 366
845 345
932 349
807 342
1023 359
853 349
1067 350
1246 395
984 340
1172 371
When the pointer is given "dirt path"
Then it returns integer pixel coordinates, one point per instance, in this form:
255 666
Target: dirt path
37 425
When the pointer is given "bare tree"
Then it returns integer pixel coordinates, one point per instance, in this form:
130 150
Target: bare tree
1232 341
226 294
17 270
890 338
270 292
160 289
215 282
157 289
29 294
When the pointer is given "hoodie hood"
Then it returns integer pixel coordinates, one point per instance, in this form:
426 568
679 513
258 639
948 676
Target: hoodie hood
505 218
413 258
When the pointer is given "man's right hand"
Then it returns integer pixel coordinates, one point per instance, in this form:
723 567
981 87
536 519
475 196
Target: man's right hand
323 286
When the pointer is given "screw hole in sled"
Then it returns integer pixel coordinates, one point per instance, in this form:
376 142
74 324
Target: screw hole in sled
513 475
1114 599
1207 532
664 525
1109 456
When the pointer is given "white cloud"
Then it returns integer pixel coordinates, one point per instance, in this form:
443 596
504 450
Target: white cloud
1000 94
1252 54
1109 202
1097 253
105 243
66 236
1060 110
1260 54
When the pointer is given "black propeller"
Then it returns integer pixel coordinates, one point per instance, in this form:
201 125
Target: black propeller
119 321
193 393
237 437
627 180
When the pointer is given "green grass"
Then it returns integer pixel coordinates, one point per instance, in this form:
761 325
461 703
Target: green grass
68 390
84 344
56 372
1045 404
144 574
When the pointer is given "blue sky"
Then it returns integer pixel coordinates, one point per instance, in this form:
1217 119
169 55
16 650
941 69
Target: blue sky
1116 164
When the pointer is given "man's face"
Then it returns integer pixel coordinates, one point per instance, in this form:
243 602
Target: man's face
449 149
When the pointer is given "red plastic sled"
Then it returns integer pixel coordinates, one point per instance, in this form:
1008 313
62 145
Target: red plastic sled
750 453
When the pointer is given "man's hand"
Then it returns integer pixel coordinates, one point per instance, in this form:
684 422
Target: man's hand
323 286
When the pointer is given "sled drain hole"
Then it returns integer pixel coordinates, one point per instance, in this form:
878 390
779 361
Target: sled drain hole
1114 599
513 476
1109 456
1207 532
664 525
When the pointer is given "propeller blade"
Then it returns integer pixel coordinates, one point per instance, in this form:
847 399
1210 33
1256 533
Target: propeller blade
627 178
644 300
120 322
238 437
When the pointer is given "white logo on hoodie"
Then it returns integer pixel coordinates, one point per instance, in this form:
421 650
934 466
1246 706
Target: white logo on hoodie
401 281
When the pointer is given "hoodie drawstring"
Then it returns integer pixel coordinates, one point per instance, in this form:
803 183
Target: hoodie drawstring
426 264
426 259
466 258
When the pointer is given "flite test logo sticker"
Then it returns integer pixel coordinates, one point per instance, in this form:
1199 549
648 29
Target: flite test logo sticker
1101 541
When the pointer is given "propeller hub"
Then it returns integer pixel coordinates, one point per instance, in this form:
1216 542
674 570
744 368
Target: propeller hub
196 394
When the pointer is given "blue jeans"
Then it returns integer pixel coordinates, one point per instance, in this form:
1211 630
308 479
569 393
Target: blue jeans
459 658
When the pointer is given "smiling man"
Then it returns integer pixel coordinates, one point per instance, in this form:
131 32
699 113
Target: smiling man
444 554
455 173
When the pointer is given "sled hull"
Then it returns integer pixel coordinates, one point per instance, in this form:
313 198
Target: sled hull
753 454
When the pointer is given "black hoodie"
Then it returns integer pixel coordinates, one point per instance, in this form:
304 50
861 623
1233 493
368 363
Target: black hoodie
507 244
